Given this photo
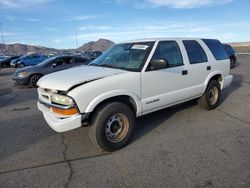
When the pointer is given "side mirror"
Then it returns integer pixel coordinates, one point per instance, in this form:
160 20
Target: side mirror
159 64
53 65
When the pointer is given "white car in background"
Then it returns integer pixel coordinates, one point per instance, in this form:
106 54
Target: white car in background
130 80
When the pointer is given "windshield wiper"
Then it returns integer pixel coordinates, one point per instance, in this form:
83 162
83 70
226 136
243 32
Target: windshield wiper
108 65
93 64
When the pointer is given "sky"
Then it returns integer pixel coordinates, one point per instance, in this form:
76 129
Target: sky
56 23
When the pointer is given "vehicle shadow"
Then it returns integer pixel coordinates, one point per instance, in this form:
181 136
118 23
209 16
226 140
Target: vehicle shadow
147 123
235 85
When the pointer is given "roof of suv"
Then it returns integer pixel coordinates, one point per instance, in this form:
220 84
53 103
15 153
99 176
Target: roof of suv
160 39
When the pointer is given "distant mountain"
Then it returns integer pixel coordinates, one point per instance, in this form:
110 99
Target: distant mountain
240 44
100 45
19 49
241 47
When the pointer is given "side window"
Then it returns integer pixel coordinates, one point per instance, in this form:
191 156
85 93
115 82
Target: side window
59 62
195 52
80 60
216 48
69 60
169 51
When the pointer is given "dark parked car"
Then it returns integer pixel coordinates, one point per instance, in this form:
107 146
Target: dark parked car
30 75
96 54
14 62
6 61
92 55
231 52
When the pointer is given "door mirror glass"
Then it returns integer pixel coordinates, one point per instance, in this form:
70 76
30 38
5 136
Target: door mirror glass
158 64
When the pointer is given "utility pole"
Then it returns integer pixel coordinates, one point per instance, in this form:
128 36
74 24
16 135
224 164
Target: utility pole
76 39
3 48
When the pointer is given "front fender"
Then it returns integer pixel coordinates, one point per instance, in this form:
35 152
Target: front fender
115 93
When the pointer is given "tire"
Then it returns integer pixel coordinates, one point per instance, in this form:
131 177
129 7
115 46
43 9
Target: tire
112 126
232 62
211 98
21 65
34 79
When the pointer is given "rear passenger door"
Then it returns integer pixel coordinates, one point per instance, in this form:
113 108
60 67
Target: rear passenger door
219 58
198 67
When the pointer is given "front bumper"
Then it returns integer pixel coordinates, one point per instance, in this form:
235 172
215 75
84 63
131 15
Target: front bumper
20 80
60 123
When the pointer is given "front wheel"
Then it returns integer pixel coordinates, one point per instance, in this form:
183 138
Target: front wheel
211 98
112 126
34 79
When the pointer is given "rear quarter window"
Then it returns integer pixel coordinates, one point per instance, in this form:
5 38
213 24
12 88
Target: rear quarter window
195 52
216 48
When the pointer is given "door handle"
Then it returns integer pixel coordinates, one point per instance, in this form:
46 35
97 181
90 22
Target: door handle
184 72
208 68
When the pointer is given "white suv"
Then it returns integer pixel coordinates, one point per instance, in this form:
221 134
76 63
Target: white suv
130 80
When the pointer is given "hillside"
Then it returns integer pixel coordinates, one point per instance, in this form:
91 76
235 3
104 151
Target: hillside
19 49
100 45
241 47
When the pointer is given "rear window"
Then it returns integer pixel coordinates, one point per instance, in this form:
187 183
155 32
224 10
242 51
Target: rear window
216 48
195 52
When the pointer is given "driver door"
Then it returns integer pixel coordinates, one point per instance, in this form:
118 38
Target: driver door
164 87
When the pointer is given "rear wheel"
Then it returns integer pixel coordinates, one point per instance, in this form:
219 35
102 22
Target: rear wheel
112 126
211 98
34 79
232 62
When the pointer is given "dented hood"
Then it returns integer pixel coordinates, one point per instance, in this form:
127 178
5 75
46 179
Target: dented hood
67 79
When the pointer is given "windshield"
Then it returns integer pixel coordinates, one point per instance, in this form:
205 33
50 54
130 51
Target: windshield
127 56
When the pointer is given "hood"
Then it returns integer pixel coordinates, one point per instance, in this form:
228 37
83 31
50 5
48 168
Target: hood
24 69
64 80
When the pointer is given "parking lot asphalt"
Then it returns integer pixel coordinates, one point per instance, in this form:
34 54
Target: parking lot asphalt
181 146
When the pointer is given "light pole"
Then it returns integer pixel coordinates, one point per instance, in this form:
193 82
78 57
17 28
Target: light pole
76 39
1 26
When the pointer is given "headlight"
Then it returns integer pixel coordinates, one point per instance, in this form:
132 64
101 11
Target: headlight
62 99
23 74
